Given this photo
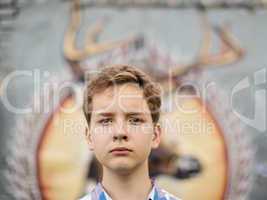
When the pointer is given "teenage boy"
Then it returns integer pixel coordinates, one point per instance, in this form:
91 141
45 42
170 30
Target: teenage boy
122 109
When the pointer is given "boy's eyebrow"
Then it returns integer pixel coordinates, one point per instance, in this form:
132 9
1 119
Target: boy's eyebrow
135 113
105 114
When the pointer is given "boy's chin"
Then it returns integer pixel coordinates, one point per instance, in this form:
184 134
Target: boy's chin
122 168
123 171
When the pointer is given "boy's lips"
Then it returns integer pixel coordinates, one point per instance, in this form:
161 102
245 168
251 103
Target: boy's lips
121 149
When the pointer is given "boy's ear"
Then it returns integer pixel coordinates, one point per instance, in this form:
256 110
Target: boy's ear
89 138
156 137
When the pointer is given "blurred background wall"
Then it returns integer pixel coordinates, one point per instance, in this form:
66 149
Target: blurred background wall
32 35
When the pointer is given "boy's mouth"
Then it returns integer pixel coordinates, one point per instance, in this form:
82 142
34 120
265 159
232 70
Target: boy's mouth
120 150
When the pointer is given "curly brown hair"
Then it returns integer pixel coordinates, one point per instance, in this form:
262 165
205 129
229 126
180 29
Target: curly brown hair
118 75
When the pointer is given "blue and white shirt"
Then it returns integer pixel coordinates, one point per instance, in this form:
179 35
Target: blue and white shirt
98 193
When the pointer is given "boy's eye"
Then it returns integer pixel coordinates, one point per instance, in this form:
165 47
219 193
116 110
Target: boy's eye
135 120
105 121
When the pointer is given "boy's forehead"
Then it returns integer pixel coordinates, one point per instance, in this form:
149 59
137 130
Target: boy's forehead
127 98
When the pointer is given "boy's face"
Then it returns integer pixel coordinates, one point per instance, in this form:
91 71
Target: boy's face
121 132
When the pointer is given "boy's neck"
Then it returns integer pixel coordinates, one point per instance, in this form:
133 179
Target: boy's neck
133 186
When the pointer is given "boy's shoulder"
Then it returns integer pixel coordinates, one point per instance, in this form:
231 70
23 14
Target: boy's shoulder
168 196
86 197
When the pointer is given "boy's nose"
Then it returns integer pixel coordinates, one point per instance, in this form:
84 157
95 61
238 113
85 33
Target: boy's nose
120 132
120 137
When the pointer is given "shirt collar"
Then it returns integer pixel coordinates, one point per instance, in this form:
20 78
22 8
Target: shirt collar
101 194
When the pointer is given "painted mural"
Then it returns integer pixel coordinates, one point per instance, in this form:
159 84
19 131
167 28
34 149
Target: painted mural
196 50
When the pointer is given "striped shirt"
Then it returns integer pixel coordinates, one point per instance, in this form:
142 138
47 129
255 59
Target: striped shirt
98 193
